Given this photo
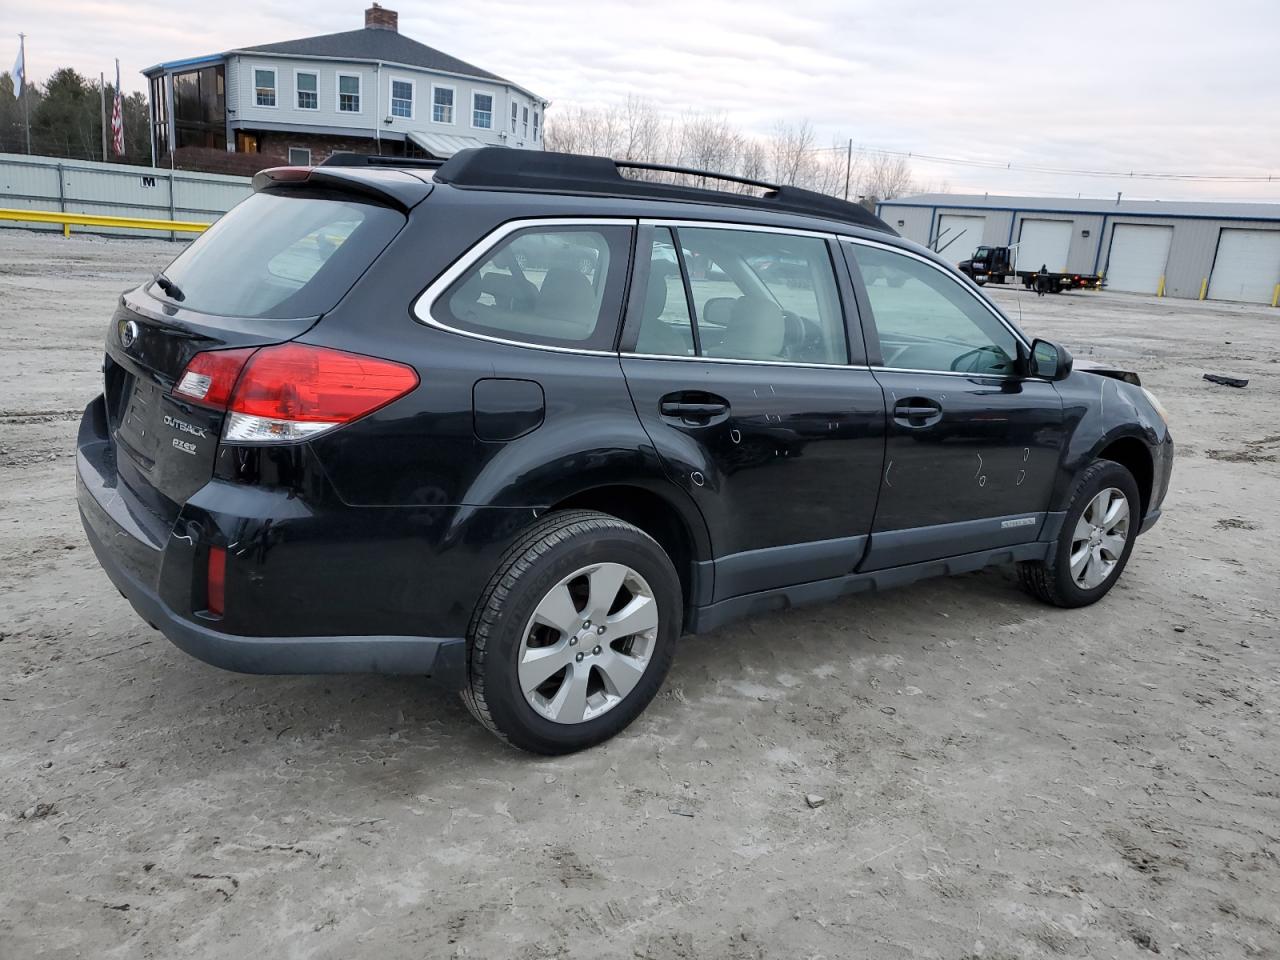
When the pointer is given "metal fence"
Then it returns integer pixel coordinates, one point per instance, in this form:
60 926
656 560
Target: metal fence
114 189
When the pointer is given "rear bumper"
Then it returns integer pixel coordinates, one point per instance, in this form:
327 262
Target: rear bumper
147 561
441 658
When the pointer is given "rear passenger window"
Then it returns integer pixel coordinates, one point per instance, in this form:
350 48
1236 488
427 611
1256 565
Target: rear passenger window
756 296
559 286
666 328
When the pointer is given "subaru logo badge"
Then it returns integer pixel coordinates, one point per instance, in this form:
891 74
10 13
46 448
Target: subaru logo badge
128 333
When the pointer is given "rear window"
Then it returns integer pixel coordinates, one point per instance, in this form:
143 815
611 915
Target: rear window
282 255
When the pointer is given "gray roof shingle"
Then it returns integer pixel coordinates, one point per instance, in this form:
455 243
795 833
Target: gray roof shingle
375 44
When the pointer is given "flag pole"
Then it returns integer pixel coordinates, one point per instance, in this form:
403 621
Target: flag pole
26 100
102 101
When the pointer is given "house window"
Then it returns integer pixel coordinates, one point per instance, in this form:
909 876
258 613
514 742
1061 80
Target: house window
535 124
402 98
299 156
482 110
264 87
515 112
442 104
308 91
526 121
348 93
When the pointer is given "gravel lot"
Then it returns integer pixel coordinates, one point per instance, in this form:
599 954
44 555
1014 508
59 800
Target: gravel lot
1001 779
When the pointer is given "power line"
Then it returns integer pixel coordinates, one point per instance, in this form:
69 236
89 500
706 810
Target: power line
1063 171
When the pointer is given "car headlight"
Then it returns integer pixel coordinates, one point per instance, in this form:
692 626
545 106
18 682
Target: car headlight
1156 405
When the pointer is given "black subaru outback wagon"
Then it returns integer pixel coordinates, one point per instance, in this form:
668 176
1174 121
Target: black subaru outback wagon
521 420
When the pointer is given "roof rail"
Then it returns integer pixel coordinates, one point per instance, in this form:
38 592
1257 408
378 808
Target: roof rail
374 160
691 172
503 168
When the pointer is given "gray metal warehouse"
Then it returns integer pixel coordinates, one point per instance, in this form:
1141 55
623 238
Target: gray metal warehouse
1204 250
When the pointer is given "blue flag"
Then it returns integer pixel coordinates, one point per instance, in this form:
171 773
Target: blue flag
20 67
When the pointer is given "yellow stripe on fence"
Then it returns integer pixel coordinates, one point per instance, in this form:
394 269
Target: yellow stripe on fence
68 220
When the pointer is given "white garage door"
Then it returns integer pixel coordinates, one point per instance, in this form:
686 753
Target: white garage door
1044 243
1247 266
958 236
1138 257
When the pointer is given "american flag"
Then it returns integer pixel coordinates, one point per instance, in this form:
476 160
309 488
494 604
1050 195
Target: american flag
117 118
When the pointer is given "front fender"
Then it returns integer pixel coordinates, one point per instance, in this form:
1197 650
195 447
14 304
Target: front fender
1100 410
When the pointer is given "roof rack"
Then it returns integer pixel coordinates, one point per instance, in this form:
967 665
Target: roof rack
537 170
373 160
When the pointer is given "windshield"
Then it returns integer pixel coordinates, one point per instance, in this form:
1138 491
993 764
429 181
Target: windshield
280 255
981 253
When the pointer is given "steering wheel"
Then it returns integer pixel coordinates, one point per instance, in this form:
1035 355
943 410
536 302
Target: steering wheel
999 356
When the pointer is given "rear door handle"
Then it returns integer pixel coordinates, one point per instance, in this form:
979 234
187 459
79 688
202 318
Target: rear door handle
694 410
917 412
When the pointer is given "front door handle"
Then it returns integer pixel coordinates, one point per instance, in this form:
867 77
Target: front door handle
694 409
917 412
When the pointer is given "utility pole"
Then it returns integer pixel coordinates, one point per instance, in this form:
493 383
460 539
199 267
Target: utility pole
102 103
848 168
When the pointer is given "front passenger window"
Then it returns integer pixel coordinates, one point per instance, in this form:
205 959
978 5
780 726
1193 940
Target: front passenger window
928 321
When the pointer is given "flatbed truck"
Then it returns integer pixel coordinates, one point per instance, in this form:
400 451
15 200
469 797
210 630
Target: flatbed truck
997 265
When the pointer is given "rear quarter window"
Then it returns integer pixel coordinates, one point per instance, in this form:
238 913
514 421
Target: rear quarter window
282 255
558 285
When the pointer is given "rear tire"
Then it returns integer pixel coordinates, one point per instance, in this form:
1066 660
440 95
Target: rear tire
574 633
1102 521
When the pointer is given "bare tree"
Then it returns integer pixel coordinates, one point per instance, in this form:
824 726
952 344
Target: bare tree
791 147
637 131
886 176
644 134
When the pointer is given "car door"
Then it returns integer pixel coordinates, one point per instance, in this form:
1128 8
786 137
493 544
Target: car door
972 446
736 353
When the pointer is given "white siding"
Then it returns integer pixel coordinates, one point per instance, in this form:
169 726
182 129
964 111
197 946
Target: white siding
116 190
1192 248
375 100
1139 255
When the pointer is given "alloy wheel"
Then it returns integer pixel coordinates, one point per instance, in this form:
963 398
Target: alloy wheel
588 643
1099 539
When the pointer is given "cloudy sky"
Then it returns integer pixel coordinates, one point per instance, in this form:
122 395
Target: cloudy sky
1167 86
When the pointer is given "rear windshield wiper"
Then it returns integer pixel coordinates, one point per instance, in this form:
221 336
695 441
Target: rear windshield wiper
170 288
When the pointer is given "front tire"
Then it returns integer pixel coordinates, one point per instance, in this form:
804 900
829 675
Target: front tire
1095 541
574 634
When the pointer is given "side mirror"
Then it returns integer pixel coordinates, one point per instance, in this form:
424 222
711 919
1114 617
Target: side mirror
1050 360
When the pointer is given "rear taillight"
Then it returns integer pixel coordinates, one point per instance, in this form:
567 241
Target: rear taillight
210 377
292 391
216 587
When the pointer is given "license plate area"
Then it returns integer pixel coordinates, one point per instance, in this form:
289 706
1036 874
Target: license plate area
138 431
117 386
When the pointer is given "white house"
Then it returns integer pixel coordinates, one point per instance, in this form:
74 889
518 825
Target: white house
370 91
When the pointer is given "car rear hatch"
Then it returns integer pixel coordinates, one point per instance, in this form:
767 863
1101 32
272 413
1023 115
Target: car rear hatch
263 274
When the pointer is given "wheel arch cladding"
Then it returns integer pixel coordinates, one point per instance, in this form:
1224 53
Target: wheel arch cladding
658 516
1132 454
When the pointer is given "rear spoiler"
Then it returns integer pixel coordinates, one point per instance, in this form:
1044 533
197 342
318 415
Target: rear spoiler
400 188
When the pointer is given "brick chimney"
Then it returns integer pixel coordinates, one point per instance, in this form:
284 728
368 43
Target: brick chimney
380 18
